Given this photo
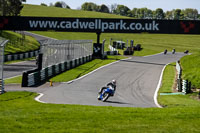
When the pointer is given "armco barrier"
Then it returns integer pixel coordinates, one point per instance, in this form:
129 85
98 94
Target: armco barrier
36 77
20 56
179 80
111 53
182 85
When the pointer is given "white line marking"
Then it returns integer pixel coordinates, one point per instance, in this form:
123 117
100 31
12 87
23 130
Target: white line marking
158 87
38 98
69 82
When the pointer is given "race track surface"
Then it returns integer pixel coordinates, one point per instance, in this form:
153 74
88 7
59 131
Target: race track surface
137 80
16 69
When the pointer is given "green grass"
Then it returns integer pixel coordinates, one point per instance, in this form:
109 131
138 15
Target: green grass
168 79
151 43
191 70
167 87
14 80
20 113
42 11
15 61
16 46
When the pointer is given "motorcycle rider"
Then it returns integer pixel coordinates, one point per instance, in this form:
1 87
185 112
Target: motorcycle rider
173 51
111 85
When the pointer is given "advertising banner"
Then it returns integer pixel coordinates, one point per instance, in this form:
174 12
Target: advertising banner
100 25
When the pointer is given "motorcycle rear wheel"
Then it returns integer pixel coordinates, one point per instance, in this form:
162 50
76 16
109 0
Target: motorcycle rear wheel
105 97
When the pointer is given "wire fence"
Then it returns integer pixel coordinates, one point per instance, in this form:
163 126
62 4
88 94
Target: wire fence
2 46
57 51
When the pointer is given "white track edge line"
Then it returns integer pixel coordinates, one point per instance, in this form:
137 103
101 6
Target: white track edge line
41 94
38 98
158 87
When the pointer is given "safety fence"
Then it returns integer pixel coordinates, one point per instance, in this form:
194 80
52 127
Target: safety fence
182 85
57 51
58 56
2 47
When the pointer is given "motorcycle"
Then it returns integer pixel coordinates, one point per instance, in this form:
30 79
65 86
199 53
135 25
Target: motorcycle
165 52
105 94
173 51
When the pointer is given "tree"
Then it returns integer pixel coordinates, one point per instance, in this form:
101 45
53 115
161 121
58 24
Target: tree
159 14
133 13
191 14
113 8
169 15
104 8
64 5
43 4
122 10
89 6
144 13
177 14
58 4
11 7
61 4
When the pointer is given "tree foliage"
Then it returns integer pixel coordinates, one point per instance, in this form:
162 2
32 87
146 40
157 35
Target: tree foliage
11 7
89 6
58 4
43 4
191 14
122 10
159 14
61 4
103 8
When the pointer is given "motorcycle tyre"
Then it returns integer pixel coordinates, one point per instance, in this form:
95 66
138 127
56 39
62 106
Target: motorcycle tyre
105 97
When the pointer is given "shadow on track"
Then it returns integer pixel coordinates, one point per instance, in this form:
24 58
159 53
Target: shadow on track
116 102
143 62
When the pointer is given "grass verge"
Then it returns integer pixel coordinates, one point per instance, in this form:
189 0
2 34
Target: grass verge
191 70
14 80
20 113
16 45
174 100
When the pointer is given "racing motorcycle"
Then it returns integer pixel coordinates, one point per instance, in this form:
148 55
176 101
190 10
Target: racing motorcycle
105 94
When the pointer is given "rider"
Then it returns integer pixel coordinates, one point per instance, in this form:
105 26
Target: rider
111 85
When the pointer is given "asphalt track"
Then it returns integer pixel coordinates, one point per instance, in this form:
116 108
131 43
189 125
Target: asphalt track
137 80
16 69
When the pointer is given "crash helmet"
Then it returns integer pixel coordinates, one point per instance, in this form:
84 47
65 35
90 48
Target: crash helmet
114 81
